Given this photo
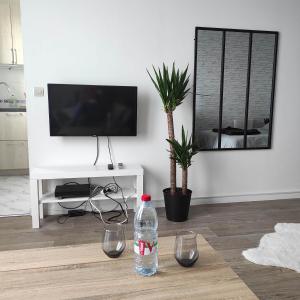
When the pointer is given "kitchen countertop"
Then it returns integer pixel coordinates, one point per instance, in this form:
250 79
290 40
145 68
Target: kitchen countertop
12 109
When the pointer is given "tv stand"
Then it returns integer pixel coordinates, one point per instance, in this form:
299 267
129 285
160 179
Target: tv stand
38 174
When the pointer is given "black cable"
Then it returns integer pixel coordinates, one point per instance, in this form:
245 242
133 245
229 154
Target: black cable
96 214
115 191
109 150
64 220
109 188
68 208
111 161
110 156
116 201
97 156
68 183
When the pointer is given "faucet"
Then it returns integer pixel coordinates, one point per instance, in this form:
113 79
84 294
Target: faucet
7 86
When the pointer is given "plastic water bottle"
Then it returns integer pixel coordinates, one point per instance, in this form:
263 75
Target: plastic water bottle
145 238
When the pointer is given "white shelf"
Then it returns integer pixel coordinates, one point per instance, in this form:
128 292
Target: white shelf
84 171
38 174
50 198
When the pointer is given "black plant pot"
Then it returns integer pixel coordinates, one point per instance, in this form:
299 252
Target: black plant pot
177 206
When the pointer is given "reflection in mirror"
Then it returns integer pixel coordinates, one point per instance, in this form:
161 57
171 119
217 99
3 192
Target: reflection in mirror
260 95
235 83
208 88
233 88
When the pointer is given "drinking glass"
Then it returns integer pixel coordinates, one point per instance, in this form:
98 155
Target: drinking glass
113 243
186 252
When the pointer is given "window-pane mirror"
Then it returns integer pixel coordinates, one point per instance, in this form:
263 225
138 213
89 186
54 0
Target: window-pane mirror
234 88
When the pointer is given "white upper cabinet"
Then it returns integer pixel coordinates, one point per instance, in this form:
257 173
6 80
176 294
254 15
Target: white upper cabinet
6 49
16 31
11 48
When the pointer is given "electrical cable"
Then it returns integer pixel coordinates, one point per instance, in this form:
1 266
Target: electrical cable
110 156
71 182
96 215
111 160
97 155
109 150
66 217
107 190
70 208
110 188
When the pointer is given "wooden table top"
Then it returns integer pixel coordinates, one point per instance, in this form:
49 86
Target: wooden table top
84 271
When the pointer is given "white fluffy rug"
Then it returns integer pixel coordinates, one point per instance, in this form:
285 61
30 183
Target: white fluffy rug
280 248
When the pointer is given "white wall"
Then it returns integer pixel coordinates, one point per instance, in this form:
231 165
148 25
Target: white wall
114 41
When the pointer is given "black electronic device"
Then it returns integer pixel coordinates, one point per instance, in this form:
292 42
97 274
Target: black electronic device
72 191
110 166
76 213
92 110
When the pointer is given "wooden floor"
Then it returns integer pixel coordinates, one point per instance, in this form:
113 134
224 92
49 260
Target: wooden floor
229 228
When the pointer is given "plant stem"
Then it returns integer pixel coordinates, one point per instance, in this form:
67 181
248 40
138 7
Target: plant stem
172 160
184 181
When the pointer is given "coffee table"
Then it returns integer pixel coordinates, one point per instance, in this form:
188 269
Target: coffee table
84 271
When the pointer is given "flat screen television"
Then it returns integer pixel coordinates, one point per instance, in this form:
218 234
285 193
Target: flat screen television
92 110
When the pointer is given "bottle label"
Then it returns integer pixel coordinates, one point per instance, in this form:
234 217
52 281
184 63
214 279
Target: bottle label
145 247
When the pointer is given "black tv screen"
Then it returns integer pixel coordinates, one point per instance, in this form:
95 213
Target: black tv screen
92 110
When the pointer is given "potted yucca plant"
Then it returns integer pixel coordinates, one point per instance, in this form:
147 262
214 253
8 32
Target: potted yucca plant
177 208
172 88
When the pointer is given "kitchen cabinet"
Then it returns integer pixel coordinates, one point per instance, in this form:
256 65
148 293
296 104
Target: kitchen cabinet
6 54
13 126
13 140
16 31
11 48
13 155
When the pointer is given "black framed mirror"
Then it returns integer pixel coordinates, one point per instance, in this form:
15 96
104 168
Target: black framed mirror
234 84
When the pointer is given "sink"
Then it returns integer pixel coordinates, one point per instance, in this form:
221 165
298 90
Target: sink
12 103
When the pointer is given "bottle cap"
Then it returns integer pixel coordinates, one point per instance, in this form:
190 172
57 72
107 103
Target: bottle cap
146 197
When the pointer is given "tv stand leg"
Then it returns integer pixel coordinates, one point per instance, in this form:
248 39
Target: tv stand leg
41 211
34 197
40 187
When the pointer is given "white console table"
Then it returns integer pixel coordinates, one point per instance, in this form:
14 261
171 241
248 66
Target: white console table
37 175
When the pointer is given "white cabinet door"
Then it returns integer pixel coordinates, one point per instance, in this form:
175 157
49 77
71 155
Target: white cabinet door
16 31
13 155
6 56
13 126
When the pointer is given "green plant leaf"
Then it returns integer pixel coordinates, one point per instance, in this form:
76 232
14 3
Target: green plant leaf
171 86
184 151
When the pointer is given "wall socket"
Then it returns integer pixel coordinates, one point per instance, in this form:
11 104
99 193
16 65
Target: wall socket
38 91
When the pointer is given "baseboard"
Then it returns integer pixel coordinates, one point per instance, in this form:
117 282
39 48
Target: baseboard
240 198
106 204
